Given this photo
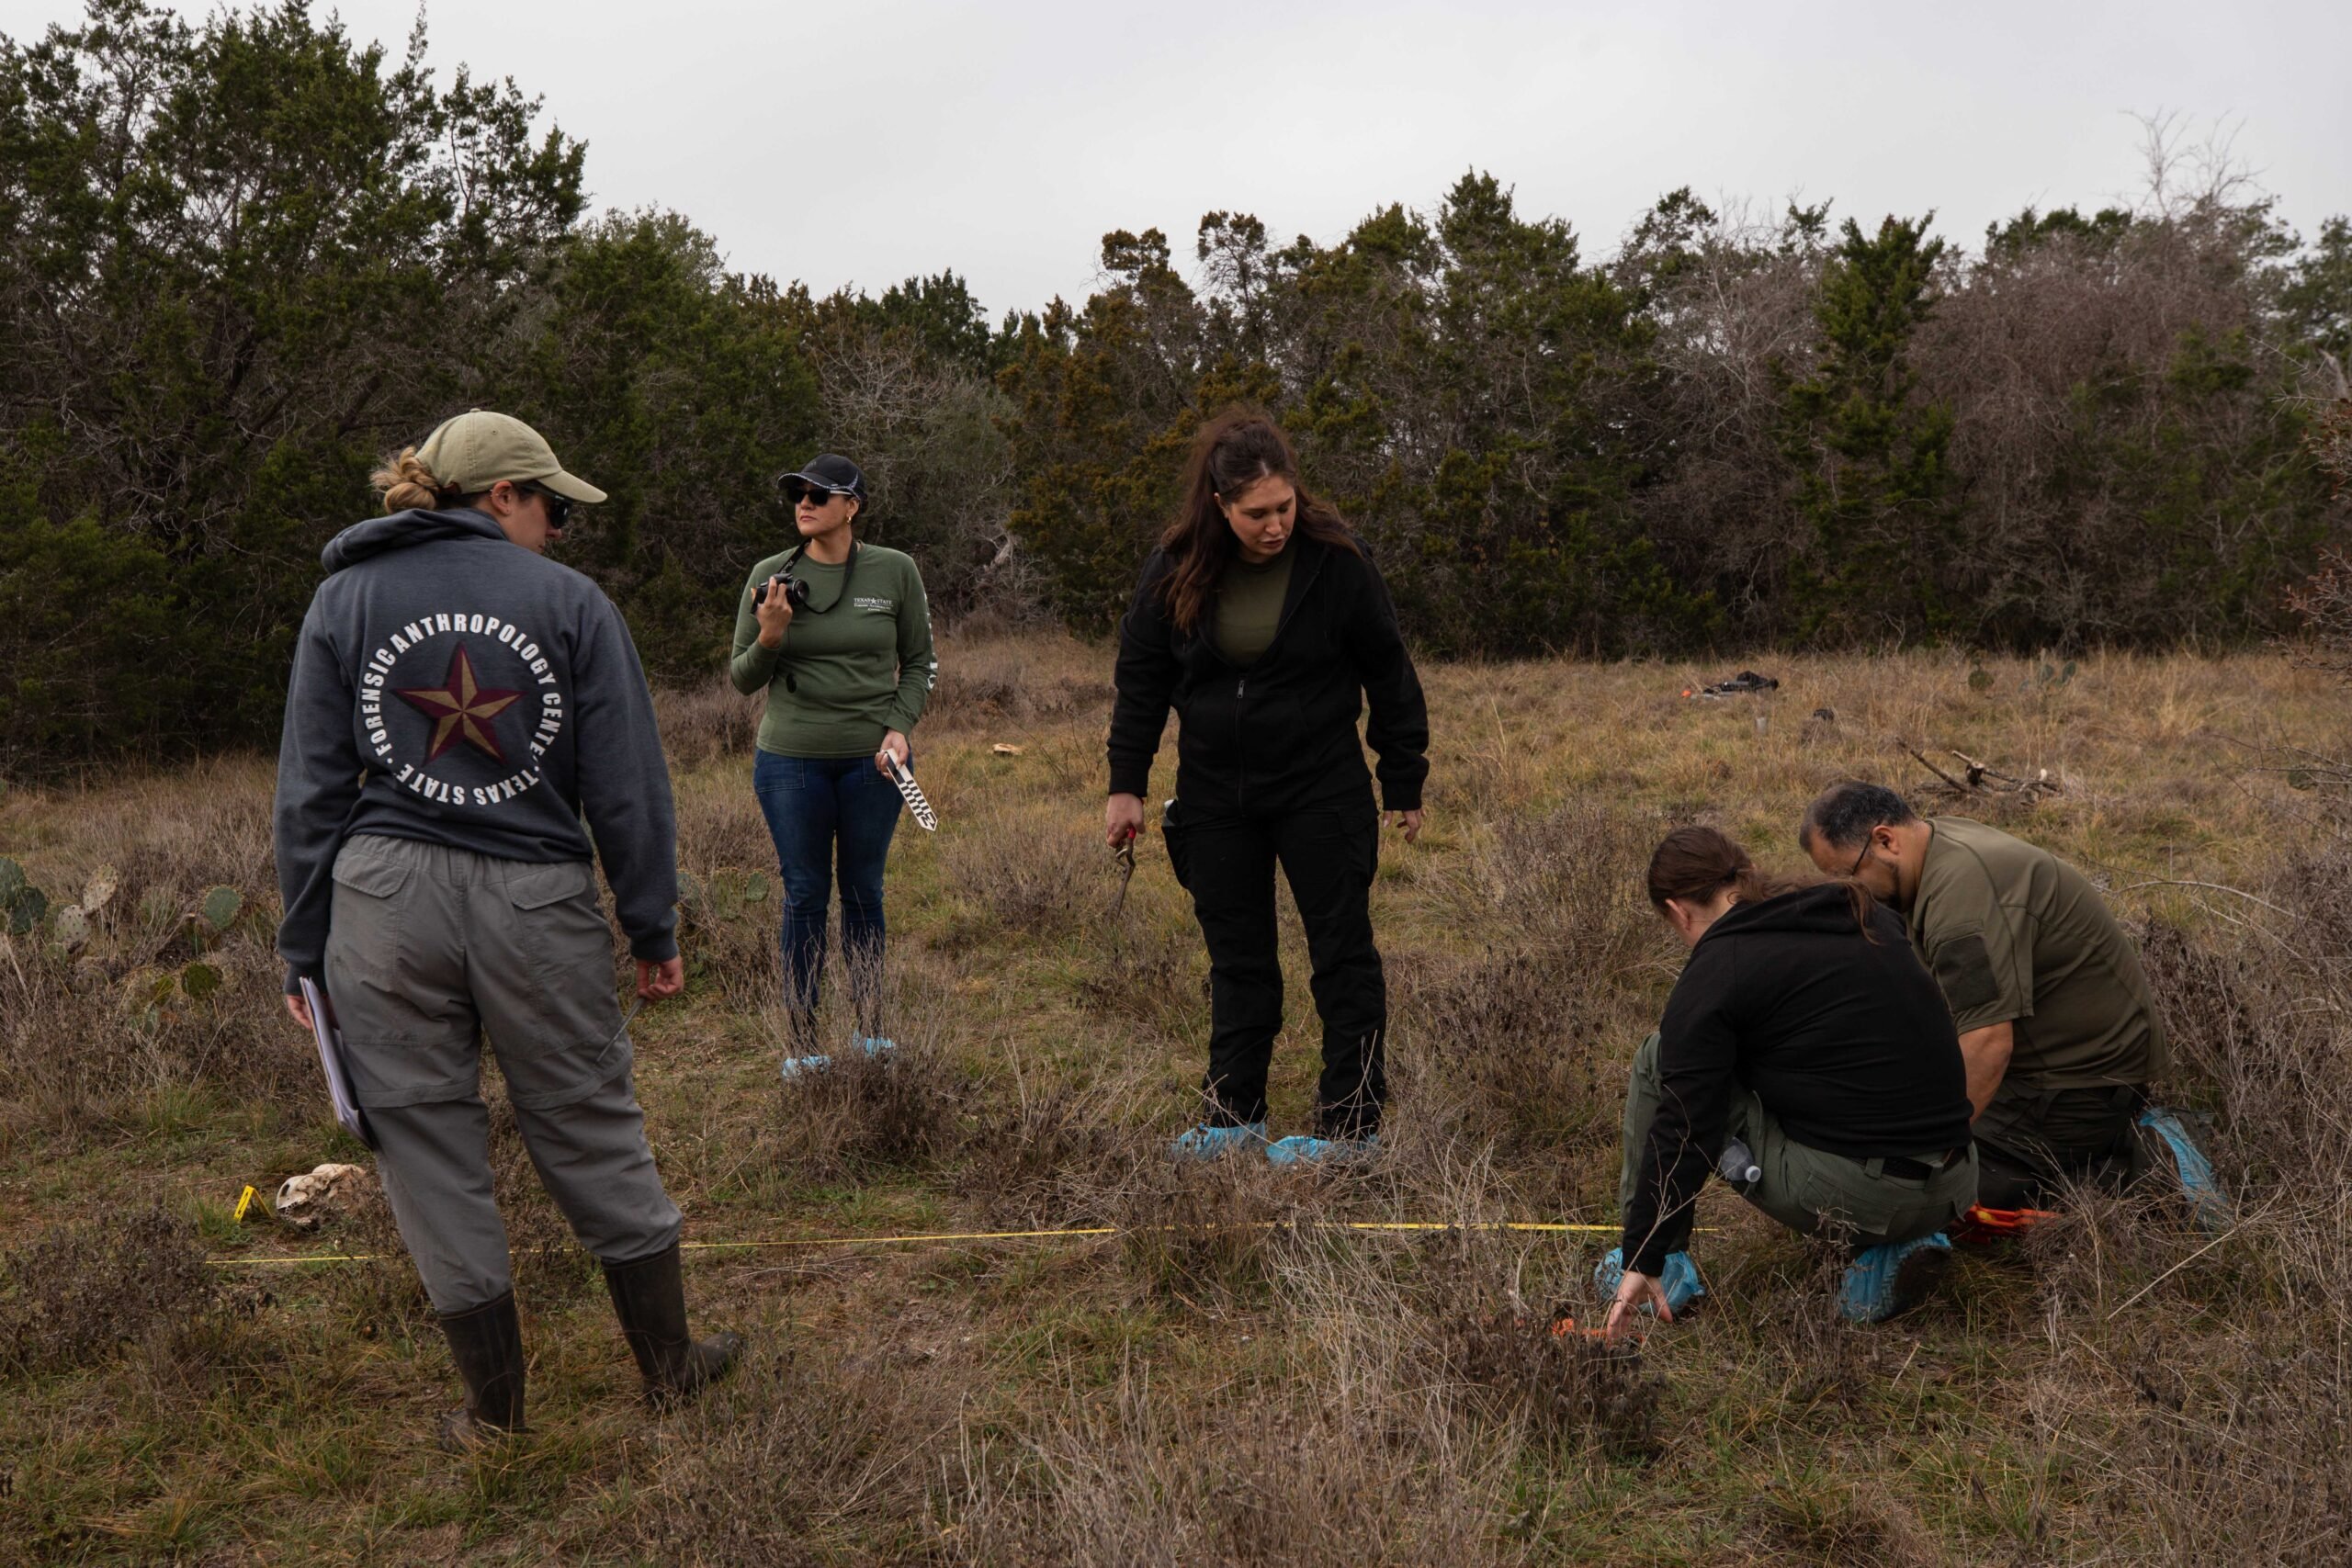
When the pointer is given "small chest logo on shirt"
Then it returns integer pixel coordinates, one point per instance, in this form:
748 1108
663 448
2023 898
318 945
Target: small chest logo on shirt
480 704
874 605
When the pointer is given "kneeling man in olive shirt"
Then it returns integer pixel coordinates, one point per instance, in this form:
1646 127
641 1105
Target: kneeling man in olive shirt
2057 1025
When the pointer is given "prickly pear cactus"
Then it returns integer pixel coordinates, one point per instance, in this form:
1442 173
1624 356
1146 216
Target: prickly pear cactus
21 904
733 892
221 907
693 898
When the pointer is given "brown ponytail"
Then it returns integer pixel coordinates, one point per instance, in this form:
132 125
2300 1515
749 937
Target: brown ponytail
406 483
1695 864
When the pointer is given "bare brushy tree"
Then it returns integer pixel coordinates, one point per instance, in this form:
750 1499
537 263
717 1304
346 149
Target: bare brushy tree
1732 295
928 434
2326 398
2193 174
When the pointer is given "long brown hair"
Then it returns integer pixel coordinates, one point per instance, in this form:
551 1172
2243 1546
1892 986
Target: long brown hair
1232 452
1695 863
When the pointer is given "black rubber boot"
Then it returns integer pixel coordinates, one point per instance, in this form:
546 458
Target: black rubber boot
487 1345
650 1298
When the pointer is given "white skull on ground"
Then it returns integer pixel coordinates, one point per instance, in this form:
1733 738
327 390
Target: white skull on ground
303 1202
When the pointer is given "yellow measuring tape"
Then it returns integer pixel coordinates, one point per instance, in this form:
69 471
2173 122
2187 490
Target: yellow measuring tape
1539 1226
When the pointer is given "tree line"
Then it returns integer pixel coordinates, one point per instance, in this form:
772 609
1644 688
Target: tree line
240 258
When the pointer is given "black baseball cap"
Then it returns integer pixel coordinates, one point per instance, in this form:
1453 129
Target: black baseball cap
828 472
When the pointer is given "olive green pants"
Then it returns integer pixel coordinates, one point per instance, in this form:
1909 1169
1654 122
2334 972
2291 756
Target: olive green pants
1806 1188
428 948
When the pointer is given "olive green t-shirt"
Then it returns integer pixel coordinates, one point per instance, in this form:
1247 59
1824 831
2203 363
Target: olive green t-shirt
859 655
2015 935
1250 606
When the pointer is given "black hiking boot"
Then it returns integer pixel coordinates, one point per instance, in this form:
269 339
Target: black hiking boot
650 1298
487 1345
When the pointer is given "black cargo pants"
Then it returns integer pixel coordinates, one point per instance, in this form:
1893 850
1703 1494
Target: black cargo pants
2032 1140
1328 853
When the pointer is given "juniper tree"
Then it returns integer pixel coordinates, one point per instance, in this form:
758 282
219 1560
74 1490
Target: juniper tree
240 259
1872 491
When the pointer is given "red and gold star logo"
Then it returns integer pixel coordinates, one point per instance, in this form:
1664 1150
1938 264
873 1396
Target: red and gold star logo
462 709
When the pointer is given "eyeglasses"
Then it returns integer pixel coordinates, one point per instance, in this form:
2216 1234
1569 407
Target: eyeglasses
559 506
816 495
1855 870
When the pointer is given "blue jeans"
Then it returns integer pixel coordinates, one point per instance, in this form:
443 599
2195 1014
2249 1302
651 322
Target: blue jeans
824 811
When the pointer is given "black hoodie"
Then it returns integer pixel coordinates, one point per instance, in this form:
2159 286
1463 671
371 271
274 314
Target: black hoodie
1846 1040
1281 733
454 688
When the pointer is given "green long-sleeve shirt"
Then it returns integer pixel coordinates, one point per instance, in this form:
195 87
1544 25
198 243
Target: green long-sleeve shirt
859 664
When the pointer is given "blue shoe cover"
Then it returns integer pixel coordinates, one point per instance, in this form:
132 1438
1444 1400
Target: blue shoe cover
873 1044
1886 1279
1679 1278
1205 1142
2206 1195
1301 1150
799 1067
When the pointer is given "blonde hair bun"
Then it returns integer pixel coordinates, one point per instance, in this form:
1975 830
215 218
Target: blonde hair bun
406 483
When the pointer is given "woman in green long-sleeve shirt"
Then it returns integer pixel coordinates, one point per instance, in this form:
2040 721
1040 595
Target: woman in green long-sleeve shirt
837 632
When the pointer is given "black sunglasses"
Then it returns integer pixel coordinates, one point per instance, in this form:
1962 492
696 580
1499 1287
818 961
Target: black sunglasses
798 491
559 506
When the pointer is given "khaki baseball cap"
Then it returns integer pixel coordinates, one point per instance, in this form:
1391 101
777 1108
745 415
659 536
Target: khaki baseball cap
477 449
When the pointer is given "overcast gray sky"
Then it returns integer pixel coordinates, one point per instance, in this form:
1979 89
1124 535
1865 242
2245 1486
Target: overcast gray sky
859 143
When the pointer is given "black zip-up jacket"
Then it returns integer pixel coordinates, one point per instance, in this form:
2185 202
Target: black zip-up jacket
1280 733
1846 1042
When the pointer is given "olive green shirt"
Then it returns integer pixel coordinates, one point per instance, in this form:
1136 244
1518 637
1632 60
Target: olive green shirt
1250 606
858 655
2015 935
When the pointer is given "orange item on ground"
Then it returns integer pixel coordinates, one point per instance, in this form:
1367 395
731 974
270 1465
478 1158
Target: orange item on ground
1981 1226
1566 1327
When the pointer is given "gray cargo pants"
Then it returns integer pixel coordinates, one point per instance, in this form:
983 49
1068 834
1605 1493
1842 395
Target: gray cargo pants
428 948
1804 1188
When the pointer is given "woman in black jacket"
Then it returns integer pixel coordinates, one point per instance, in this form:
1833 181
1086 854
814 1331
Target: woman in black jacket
1262 622
1806 1054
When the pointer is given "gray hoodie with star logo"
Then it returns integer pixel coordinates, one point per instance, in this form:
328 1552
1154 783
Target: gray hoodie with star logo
452 688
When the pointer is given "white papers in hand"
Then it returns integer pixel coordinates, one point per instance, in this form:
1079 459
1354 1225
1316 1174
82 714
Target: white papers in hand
330 1038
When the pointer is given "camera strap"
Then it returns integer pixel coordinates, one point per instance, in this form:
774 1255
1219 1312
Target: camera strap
849 571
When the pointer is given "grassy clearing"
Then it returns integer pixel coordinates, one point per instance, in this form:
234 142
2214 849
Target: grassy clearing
1215 1384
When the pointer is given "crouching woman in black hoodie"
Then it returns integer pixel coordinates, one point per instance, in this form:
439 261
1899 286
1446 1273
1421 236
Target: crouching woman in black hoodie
1807 1056
1262 622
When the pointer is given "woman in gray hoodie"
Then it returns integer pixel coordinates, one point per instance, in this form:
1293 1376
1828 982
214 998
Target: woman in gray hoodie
464 714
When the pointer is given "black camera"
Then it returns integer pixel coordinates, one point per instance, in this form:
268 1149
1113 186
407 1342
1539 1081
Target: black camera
796 594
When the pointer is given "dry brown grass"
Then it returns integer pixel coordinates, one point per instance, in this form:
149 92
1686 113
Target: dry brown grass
1229 1380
